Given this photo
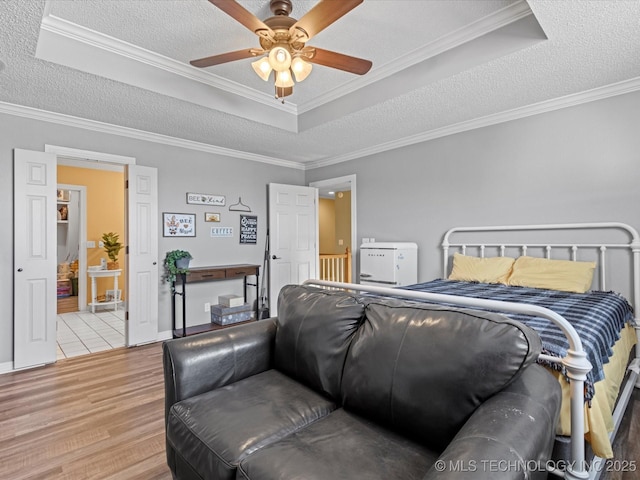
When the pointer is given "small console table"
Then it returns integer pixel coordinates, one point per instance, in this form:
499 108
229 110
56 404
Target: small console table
209 274
93 274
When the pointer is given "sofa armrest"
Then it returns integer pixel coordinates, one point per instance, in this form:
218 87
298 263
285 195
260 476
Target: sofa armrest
204 362
510 436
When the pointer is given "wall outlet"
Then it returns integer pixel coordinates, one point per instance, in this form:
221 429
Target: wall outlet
340 242
365 240
101 244
207 307
372 240
91 244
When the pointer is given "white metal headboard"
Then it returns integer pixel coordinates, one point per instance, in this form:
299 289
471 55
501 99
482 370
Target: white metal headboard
633 245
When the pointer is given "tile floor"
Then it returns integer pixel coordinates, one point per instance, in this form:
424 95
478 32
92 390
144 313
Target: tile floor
80 333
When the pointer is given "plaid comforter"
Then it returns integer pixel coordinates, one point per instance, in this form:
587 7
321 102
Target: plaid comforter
598 317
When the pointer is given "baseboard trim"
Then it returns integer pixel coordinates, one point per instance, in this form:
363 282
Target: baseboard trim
166 335
6 367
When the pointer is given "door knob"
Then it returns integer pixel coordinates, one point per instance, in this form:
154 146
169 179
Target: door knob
276 258
20 269
155 263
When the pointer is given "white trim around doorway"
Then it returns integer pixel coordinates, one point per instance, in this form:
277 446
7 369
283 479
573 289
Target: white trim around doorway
91 159
89 155
351 180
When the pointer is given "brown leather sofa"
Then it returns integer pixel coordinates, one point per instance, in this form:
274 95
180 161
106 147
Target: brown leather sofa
345 386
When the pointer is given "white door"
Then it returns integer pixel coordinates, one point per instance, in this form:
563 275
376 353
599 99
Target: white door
293 231
34 241
142 255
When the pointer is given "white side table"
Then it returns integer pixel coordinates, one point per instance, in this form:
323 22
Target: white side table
93 274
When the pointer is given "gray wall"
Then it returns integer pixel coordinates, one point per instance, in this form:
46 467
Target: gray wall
573 165
576 164
179 171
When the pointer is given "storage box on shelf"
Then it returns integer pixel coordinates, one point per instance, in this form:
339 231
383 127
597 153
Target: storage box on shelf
223 315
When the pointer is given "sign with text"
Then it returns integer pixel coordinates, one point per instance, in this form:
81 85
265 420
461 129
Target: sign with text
248 229
222 231
206 199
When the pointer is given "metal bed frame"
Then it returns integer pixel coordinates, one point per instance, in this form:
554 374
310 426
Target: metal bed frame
575 362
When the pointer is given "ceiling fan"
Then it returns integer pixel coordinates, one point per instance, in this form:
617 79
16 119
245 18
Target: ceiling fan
283 42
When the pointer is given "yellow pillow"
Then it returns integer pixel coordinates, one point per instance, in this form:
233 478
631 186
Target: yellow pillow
565 275
484 270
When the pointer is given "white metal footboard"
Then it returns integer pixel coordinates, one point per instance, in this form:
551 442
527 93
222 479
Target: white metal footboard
575 362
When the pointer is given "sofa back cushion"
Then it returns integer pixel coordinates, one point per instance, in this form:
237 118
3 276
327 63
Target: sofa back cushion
315 328
423 369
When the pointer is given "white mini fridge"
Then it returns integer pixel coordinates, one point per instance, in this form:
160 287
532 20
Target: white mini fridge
389 264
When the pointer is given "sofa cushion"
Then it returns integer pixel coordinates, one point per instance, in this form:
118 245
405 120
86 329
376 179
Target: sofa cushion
339 446
213 431
424 369
315 327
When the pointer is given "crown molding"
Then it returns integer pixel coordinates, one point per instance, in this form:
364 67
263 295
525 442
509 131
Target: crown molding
600 93
58 28
572 100
101 127
467 33
79 33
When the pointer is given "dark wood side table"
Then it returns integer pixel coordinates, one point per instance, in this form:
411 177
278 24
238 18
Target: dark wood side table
209 274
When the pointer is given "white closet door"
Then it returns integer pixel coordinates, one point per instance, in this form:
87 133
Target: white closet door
142 254
35 262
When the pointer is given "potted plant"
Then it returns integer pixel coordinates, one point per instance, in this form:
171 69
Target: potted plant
176 262
112 246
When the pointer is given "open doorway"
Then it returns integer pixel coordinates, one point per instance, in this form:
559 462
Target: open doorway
36 258
91 202
337 227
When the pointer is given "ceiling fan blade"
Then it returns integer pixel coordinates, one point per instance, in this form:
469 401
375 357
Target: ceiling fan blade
340 61
244 16
226 57
323 14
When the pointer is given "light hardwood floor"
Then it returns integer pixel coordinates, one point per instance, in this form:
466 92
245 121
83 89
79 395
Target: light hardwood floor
101 416
98 416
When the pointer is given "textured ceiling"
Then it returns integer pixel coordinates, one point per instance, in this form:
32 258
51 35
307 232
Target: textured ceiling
437 67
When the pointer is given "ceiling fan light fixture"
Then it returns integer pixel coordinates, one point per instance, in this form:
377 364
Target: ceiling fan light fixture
262 68
301 68
283 79
280 59
282 38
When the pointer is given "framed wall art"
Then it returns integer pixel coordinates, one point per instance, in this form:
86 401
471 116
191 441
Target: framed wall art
248 229
178 224
211 217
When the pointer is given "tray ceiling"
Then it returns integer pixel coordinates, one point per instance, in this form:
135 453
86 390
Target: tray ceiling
438 67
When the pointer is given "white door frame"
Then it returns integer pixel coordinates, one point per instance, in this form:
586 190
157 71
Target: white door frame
351 179
89 157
